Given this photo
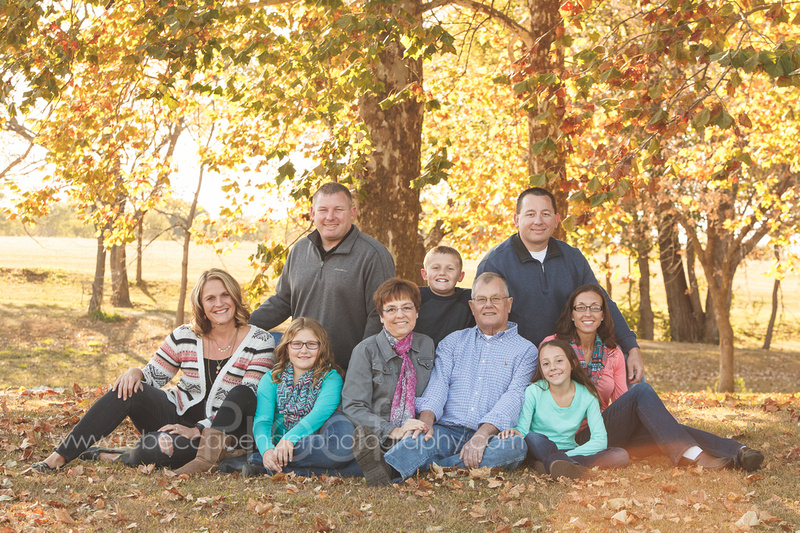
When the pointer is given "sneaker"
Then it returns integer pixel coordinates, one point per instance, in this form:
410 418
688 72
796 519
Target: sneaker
567 469
369 456
538 467
749 459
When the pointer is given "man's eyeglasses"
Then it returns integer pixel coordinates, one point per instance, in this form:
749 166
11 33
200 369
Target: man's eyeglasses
495 300
298 345
582 308
406 309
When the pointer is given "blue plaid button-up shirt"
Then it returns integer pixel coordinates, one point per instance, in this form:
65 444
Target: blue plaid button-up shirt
480 380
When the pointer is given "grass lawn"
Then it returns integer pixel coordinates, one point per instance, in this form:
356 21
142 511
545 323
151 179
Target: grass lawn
47 341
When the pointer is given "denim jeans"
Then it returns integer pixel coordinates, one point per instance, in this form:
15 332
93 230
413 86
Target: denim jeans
149 409
640 422
328 451
410 455
543 449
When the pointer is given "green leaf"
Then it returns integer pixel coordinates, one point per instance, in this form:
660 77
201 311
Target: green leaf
598 199
700 120
538 180
546 144
724 120
568 224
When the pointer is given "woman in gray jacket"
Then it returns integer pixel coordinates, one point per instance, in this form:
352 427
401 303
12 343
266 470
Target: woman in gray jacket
387 372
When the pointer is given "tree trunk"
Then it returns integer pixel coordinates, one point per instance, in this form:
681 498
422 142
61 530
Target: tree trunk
187 240
120 293
96 301
139 247
694 288
545 17
392 213
726 370
719 284
646 327
683 327
776 287
179 314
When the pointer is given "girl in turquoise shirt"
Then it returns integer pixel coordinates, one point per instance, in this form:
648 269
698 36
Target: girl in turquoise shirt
560 398
295 428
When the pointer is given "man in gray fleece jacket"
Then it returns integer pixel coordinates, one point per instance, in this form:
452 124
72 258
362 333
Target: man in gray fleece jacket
331 275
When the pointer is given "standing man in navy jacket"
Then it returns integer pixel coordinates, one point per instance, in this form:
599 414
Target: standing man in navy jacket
331 275
542 272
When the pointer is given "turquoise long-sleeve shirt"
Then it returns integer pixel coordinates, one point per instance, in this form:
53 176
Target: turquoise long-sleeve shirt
268 427
541 414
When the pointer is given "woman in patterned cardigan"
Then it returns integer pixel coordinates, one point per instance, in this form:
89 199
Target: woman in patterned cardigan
215 354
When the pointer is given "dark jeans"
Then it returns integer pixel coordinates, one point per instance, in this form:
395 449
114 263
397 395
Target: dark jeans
148 409
544 450
640 422
327 451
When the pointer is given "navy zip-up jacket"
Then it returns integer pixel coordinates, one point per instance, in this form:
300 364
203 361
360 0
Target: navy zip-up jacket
541 290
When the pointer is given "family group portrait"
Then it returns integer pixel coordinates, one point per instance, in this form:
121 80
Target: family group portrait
402 266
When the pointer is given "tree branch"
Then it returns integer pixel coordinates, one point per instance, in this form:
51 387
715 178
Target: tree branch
501 18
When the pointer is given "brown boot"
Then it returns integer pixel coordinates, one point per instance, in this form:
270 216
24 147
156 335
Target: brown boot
212 444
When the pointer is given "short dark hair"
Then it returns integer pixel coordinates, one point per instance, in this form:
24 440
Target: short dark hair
331 188
536 191
396 289
444 250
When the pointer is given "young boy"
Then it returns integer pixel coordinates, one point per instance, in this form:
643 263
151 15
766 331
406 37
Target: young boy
445 307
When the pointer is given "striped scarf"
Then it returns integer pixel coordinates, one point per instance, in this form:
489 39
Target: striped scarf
403 399
296 400
595 366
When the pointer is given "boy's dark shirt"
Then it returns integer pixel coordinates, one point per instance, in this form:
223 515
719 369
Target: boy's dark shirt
439 316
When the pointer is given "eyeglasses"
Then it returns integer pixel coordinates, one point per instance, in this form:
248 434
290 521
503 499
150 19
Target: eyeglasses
495 300
580 308
406 309
298 345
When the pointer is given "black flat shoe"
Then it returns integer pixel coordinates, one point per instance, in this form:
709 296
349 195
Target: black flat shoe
44 468
749 459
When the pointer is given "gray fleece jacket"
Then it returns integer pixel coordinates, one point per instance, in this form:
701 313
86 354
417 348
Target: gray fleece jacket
335 289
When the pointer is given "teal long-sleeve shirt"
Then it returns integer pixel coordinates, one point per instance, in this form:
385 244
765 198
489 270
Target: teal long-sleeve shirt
541 414
268 426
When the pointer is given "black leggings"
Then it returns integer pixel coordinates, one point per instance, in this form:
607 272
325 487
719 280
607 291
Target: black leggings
149 409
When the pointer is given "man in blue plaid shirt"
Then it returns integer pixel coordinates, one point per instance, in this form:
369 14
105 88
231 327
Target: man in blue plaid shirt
476 390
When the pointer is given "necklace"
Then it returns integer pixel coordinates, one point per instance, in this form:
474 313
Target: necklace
230 344
219 363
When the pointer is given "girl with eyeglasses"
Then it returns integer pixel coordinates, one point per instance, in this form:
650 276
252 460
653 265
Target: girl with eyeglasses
636 418
293 426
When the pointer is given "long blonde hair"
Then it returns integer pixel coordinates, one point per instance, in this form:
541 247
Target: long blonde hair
200 322
325 361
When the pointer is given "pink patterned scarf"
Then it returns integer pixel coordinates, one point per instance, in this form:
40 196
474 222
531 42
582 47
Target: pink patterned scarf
403 400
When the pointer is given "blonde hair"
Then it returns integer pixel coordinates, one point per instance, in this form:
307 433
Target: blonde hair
325 360
200 322
443 250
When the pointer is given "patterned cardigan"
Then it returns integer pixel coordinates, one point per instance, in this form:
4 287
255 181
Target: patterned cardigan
183 350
